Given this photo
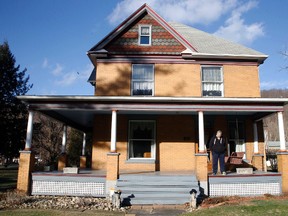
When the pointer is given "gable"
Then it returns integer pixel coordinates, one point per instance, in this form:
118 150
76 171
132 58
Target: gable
168 39
162 42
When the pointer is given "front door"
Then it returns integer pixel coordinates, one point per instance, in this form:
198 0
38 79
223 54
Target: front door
236 142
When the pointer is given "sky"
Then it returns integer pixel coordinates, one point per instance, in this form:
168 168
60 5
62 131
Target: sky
50 37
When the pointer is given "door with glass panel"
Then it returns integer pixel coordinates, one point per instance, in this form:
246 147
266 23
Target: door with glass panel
236 137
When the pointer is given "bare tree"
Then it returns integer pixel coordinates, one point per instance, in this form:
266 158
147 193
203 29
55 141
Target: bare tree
47 138
271 122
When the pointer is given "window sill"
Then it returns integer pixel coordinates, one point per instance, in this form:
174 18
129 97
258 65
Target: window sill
140 44
141 161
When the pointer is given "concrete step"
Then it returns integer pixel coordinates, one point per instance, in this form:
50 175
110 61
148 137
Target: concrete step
156 194
159 189
156 189
155 201
157 183
157 177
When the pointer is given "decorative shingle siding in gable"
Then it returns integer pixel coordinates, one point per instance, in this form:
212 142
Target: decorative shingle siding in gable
163 42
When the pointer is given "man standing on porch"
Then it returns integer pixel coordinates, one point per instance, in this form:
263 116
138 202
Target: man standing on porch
218 147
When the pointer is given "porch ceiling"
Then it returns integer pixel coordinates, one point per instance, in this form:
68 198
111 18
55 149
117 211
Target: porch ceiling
79 111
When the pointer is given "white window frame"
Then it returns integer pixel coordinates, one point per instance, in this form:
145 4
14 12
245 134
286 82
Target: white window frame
221 82
237 142
132 81
153 144
150 35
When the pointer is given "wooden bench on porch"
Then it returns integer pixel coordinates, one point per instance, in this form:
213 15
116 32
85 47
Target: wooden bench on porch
236 161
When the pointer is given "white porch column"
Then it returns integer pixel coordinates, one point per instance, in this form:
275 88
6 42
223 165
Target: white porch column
84 144
64 139
113 131
255 132
201 131
281 131
29 132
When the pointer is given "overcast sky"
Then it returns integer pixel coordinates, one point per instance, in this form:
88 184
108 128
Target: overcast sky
50 37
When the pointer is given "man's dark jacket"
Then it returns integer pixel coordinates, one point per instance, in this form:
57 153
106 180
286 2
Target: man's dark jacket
217 145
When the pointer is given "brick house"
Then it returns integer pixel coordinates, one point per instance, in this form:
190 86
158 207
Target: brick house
162 89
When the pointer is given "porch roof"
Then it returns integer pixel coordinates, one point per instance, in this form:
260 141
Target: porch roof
78 111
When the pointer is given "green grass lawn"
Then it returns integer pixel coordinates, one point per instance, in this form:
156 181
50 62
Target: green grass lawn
36 212
257 207
8 177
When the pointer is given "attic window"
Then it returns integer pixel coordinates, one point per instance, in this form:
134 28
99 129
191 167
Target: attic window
145 35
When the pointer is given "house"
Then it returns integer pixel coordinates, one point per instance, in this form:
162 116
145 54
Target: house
162 89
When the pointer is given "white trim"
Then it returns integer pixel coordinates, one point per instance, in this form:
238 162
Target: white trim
92 98
150 35
29 132
255 133
113 131
197 54
281 131
201 131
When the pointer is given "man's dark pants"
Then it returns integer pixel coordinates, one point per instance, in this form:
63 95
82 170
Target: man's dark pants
221 157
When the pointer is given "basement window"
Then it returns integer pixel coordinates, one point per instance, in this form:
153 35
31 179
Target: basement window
145 35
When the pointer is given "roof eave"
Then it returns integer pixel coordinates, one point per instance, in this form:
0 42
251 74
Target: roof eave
259 58
43 98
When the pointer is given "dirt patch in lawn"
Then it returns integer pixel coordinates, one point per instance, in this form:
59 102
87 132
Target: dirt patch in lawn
236 200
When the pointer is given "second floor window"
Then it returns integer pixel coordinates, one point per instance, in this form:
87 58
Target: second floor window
144 35
142 79
212 81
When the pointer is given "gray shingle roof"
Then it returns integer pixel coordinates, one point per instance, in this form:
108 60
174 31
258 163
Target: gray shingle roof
206 43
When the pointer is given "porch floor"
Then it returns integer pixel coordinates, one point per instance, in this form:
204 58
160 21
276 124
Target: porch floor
82 173
157 173
234 174
102 173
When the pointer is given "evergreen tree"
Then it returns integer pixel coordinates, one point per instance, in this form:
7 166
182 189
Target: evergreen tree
13 113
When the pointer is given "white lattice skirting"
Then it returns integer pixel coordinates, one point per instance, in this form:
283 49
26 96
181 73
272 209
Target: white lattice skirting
245 189
245 186
68 186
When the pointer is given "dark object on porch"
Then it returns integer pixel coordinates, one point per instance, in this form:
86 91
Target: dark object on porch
236 161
